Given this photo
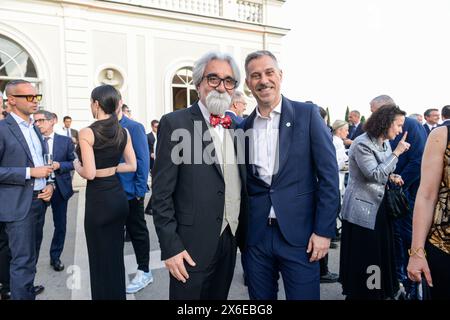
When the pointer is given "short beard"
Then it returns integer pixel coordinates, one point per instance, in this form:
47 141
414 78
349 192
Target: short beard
217 103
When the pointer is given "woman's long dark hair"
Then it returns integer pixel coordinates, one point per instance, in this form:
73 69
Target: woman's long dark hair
108 132
381 120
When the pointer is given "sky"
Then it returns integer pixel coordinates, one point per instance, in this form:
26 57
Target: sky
343 53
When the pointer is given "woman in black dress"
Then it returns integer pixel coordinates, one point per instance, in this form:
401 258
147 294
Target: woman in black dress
100 148
367 264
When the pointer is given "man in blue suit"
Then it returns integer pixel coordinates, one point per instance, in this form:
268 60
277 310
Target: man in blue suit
23 188
135 186
431 120
408 167
293 186
237 107
61 147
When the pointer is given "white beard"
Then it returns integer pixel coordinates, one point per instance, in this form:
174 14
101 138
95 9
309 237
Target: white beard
217 103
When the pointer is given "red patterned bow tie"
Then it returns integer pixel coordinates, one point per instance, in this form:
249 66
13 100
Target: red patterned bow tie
224 122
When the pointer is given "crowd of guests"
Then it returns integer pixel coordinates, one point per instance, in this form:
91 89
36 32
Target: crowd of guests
272 184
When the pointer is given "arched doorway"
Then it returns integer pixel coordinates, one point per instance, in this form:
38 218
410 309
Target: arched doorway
183 90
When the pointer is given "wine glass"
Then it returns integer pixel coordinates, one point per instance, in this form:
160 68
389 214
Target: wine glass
48 161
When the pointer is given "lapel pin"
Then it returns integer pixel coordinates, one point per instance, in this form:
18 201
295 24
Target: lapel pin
288 124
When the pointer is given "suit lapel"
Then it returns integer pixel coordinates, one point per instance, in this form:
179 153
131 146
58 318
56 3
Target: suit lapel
286 130
14 127
201 129
56 142
41 139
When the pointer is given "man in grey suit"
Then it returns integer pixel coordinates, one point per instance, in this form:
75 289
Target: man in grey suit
23 189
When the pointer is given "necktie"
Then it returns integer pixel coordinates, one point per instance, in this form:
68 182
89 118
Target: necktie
47 148
224 122
68 132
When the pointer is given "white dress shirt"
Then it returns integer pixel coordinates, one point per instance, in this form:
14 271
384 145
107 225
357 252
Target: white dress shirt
35 147
265 143
431 127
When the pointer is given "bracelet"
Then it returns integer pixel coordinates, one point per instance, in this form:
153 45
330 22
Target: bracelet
420 252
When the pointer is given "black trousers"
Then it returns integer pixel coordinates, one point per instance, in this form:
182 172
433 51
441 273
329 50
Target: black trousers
138 232
105 215
214 282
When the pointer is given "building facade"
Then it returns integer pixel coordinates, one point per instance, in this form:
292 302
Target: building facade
145 48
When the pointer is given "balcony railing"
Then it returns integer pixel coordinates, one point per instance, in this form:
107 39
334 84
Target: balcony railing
248 11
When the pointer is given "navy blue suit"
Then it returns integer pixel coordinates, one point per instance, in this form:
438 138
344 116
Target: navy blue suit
408 167
305 196
236 119
355 132
63 153
427 129
21 213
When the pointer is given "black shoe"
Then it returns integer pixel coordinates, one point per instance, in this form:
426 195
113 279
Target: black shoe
329 278
57 265
38 289
5 296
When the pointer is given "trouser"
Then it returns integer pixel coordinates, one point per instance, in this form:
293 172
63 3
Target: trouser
402 242
274 255
137 230
24 238
59 211
214 282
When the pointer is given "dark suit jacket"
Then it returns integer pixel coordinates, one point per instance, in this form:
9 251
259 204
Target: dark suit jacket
355 132
151 142
188 198
409 162
16 192
427 129
63 153
305 191
236 119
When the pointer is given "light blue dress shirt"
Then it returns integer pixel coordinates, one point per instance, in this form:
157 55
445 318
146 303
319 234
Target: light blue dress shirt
35 146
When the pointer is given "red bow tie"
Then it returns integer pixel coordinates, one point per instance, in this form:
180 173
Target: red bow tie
224 122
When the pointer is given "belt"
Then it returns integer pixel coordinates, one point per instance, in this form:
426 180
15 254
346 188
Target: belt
271 222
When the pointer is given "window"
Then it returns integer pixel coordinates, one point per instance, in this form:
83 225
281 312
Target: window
15 63
183 90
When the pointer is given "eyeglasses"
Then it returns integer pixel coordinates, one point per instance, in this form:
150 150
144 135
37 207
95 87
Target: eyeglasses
29 97
41 120
214 81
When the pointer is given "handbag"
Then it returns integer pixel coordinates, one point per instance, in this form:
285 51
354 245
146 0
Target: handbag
396 202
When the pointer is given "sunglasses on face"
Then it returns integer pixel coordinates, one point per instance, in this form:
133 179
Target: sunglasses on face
29 97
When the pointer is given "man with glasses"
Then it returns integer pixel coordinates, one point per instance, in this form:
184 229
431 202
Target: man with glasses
237 107
199 200
61 148
24 193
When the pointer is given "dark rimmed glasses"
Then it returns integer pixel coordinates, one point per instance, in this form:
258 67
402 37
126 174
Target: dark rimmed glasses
214 81
29 97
